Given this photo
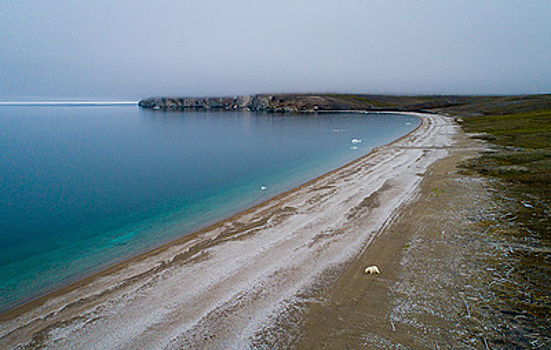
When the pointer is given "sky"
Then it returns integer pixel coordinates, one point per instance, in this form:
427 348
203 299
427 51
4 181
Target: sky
132 49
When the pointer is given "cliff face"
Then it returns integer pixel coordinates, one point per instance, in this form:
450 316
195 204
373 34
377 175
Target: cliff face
309 103
264 102
192 103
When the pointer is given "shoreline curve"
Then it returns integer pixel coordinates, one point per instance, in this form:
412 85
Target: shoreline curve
326 213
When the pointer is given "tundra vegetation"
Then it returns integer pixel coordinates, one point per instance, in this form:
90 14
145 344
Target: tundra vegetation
517 163
520 158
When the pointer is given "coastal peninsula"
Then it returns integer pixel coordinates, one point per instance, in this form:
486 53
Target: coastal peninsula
306 103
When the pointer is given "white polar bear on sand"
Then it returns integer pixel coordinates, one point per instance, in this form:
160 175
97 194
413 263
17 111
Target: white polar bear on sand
372 269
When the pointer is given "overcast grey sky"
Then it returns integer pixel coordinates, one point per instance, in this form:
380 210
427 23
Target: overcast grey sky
130 49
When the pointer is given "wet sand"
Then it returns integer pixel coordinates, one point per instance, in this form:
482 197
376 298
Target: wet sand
235 284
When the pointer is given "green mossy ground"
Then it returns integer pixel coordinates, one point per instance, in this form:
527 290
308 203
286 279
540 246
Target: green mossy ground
523 152
520 158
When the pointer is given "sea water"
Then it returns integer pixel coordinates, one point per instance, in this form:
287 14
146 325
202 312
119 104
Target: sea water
82 188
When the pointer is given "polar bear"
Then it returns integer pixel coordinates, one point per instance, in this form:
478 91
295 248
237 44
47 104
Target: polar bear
372 269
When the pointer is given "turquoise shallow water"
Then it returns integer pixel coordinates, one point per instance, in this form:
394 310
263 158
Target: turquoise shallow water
82 188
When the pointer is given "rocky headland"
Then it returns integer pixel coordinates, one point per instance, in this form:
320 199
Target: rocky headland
302 103
461 106
290 103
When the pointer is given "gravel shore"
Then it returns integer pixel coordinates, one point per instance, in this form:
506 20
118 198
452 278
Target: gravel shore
244 281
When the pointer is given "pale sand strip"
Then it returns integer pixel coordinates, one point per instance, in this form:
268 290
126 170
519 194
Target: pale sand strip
220 286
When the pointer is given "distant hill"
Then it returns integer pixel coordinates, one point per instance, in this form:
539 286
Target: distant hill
309 103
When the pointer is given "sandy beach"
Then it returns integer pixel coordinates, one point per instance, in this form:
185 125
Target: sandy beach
233 283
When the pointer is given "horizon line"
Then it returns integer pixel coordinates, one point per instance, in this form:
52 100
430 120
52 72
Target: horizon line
68 103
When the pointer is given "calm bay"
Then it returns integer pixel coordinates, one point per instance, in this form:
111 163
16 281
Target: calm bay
82 188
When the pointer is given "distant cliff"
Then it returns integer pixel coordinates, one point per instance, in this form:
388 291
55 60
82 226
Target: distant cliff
279 103
309 103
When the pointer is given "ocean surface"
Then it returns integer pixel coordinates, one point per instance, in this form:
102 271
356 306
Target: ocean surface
84 187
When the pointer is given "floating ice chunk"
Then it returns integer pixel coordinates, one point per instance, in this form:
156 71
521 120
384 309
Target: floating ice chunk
356 140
